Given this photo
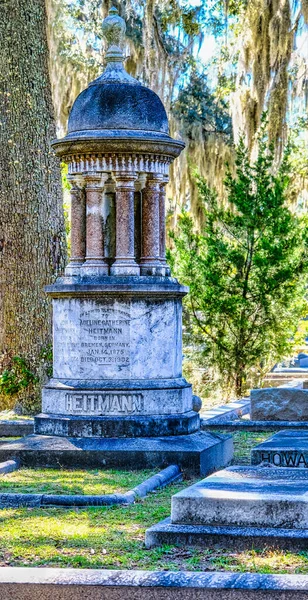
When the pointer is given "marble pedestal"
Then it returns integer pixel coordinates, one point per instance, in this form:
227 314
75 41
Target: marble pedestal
117 396
117 360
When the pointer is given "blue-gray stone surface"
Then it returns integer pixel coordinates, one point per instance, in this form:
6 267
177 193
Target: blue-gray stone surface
287 449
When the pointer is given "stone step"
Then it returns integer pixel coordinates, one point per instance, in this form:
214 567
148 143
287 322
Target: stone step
199 453
285 449
245 497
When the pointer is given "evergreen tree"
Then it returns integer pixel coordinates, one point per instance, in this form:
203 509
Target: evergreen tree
246 268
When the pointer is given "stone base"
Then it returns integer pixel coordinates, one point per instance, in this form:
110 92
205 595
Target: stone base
117 398
117 427
239 538
199 453
284 449
239 502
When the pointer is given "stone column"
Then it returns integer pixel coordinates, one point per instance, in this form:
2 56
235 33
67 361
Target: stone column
162 226
109 221
95 260
78 225
139 185
125 263
150 260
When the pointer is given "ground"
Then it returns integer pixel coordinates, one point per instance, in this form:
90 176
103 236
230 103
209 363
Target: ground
114 537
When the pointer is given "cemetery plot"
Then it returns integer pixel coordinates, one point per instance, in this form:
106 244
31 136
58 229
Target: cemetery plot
113 537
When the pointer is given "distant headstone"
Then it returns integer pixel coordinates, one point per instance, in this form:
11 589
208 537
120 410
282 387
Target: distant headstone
288 449
279 404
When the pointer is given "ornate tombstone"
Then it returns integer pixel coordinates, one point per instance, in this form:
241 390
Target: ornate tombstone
117 381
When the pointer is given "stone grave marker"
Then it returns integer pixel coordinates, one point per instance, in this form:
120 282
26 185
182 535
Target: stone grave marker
286 448
117 396
242 507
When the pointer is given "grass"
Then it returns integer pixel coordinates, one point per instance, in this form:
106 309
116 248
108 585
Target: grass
10 415
114 537
53 481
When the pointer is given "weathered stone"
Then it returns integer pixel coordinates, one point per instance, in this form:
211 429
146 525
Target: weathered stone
245 497
279 404
284 449
240 507
16 428
117 391
199 452
114 337
9 466
120 427
166 533
24 583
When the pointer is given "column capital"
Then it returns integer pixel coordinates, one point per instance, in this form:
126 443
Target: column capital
76 181
155 177
153 181
95 181
125 180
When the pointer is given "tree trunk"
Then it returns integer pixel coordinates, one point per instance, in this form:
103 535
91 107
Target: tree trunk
32 238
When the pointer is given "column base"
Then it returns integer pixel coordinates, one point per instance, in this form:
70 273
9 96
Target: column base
152 266
94 267
73 268
125 269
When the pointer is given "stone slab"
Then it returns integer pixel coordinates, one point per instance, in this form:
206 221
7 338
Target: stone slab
199 452
248 425
237 538
16 428
110 427
24 583
286 449
227 412
279 404
245 497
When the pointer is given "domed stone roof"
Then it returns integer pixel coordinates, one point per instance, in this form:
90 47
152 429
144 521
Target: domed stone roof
116 112
118 106
117 101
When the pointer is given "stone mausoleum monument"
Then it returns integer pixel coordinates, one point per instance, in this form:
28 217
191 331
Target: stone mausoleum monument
117 391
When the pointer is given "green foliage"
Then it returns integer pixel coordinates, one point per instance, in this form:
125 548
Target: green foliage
197 105
16 377
46 356
246 268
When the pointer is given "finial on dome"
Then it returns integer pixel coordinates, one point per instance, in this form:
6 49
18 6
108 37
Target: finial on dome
114 28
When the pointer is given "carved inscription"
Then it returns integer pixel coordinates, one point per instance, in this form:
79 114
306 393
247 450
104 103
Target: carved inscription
285 459
104 403
105 339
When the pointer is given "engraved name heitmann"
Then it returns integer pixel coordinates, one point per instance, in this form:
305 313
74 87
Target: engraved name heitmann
104 404
285 459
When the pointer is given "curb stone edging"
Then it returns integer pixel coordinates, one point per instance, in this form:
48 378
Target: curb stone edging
16 428
162 479
24 583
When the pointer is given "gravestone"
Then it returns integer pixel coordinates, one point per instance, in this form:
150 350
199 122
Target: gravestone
117 395
280 404
241 507
287 449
